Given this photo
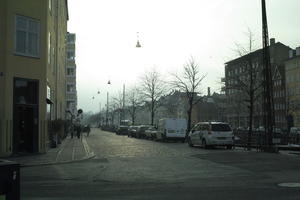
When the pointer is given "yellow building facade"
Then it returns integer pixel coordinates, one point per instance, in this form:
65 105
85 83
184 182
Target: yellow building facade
25 75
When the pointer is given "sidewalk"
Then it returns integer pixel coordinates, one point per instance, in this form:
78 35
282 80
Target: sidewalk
70 150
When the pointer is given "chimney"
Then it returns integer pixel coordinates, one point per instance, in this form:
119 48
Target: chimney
298 51
272 41
208 91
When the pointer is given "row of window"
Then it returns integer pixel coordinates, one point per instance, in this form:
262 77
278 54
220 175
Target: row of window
293 91
280 119
278 94
293 77
279 106
277 82
241 69
27 38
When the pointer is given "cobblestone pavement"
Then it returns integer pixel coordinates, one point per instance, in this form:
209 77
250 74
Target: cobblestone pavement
130 168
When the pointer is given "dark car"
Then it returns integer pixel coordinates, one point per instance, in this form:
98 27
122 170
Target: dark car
140 133
122 130
132 131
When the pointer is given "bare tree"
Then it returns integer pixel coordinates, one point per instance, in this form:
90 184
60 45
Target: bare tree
117 105
152 87
133 100
189 83
248 83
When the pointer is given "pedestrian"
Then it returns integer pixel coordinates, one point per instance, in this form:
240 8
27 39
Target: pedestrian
78 123
88 130
72 127
77 127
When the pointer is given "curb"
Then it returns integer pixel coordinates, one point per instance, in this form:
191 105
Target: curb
89 154
57 163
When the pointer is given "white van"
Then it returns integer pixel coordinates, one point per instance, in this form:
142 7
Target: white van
211 134
171 129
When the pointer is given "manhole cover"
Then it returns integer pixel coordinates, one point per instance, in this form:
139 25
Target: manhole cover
289 184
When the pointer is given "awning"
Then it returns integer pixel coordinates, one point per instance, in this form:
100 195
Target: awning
49 101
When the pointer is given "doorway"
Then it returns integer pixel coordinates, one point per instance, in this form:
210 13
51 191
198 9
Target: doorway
25 129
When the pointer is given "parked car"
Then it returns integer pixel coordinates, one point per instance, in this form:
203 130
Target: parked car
123 127
132 131
211 134
150 133
171 129
140 132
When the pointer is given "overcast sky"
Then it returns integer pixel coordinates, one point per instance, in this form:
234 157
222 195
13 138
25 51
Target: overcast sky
170 32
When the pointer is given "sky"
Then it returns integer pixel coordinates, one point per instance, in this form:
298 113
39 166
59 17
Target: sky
170 32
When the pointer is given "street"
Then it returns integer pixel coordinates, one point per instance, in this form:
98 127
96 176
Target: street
130 168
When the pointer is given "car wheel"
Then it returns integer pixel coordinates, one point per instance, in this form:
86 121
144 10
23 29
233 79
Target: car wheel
204 145
190 142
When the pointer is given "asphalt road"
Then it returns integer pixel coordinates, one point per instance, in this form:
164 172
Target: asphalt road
130 168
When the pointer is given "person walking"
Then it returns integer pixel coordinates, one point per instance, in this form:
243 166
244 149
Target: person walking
78 123
88 130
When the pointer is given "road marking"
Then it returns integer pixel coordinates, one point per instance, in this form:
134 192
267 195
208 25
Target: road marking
291 185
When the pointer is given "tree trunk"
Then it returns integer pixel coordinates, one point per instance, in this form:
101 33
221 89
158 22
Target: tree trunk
152 113
250 123
189 113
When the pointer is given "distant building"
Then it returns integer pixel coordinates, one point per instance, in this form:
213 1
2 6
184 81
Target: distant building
237 112
292 76
71 89
32 72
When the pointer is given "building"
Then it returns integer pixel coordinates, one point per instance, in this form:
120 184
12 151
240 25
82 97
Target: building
71 91
292 75
32 60
238 75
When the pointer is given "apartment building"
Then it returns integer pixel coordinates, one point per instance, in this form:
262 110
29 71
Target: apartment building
292 75
71 91
237 84
32 65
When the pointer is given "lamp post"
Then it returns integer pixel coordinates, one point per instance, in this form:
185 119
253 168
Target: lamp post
106 109
107 105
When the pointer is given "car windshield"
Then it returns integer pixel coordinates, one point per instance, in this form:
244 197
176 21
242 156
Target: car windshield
220 127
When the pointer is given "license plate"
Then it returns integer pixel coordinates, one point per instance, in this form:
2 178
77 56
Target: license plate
221 138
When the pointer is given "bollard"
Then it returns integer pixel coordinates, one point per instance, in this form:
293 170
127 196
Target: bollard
9 180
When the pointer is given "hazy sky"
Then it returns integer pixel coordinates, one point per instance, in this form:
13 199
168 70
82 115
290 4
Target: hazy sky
170 32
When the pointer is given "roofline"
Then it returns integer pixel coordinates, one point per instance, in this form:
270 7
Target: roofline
256 51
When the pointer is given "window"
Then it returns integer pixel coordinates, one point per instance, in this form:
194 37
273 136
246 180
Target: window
71 38
27 36
220 127
50 6
71 55
71 88
70 71
70 105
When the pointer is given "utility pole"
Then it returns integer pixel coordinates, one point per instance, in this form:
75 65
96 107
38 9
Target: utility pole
268 104
123 106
